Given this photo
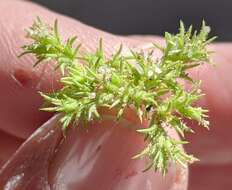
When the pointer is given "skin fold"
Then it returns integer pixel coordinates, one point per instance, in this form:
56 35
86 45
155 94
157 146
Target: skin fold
20 102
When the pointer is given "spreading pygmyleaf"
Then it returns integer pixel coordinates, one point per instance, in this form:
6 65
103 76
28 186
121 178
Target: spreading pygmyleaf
137 81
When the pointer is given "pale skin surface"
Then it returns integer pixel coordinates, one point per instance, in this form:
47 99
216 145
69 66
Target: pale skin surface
19 83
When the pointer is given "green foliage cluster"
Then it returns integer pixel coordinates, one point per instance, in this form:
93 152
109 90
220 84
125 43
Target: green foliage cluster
137 81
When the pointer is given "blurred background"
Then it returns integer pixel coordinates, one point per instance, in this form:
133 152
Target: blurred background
147 16
155 17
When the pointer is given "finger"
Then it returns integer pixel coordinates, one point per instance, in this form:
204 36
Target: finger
19 81
214 146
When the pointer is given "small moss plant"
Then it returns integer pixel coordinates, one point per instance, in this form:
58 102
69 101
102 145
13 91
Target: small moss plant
137 81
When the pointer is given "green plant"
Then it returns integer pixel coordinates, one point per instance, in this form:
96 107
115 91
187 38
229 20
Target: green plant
137 81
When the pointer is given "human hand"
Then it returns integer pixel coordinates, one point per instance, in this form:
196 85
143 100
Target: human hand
20 82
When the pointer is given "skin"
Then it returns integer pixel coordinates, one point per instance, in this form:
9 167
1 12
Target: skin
19 100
